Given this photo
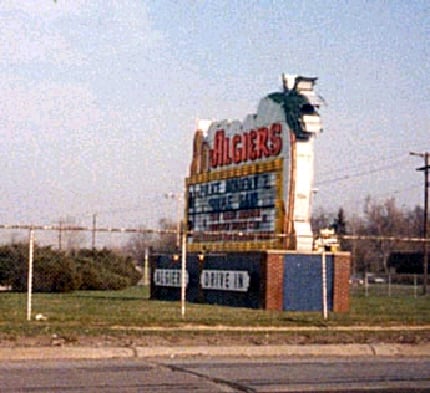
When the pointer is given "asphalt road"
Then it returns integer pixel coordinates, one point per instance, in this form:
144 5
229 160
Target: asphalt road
210 375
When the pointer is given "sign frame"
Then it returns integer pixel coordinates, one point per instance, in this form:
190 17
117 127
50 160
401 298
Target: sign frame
245 241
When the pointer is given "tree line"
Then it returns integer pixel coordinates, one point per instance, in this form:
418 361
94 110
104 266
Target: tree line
83 269
378 220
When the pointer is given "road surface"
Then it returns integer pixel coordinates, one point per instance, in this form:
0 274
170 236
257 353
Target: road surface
263 375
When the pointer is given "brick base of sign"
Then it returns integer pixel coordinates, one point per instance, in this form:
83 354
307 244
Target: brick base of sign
272 280
342 263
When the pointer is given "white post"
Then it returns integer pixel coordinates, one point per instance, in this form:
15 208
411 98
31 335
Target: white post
178 198
145 273
324 284
366 284
30 274
389 284
183 270
178 219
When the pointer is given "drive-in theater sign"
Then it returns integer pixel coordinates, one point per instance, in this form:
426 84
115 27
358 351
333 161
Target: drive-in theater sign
248 204
251 182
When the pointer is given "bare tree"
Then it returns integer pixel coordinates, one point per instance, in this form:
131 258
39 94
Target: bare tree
320 220
381 220
70 240
138 245
167 242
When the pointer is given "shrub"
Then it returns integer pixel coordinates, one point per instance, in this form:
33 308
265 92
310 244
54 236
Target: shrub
54 271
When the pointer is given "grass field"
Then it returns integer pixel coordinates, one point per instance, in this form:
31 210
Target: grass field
92 313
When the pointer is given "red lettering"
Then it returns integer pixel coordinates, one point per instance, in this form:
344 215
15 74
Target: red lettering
275 139
216 152
252 144
245 146
237 151
262 137
226 157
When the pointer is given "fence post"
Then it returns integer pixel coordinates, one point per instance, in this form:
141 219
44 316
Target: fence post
324 284
184 270
145 269
366 284
389 284
30 274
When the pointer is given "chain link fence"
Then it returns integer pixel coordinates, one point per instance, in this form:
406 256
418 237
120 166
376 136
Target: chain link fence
392 285
64 259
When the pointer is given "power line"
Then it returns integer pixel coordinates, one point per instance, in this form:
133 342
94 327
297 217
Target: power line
85 228
354 166
189 232
397 191
360 174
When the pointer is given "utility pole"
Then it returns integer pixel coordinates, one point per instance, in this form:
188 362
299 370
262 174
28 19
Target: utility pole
94 232
178 197
425 169
60 230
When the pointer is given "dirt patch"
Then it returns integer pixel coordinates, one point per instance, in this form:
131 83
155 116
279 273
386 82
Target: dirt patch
172 339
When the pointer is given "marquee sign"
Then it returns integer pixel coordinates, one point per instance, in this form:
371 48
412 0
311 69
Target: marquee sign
250 183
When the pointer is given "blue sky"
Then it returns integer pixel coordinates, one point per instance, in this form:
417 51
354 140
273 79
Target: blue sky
99 98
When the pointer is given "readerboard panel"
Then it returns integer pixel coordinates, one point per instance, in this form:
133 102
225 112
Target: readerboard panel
236 212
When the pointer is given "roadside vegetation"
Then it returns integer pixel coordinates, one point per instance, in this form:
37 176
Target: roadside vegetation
367 236
130 314
83 293
57 271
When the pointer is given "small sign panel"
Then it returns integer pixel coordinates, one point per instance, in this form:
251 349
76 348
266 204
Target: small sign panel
169 277
225 280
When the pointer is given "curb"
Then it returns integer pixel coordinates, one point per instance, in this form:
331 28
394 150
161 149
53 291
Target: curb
271 329
53 353
260 351
320 350
396 350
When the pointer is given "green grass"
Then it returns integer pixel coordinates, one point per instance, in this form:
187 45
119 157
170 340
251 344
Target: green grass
96 312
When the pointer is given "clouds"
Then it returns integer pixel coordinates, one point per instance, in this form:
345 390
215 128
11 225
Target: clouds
28 34
99 97
63 64
49 107
67 123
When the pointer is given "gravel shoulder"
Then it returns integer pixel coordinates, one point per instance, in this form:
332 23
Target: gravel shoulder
227 336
